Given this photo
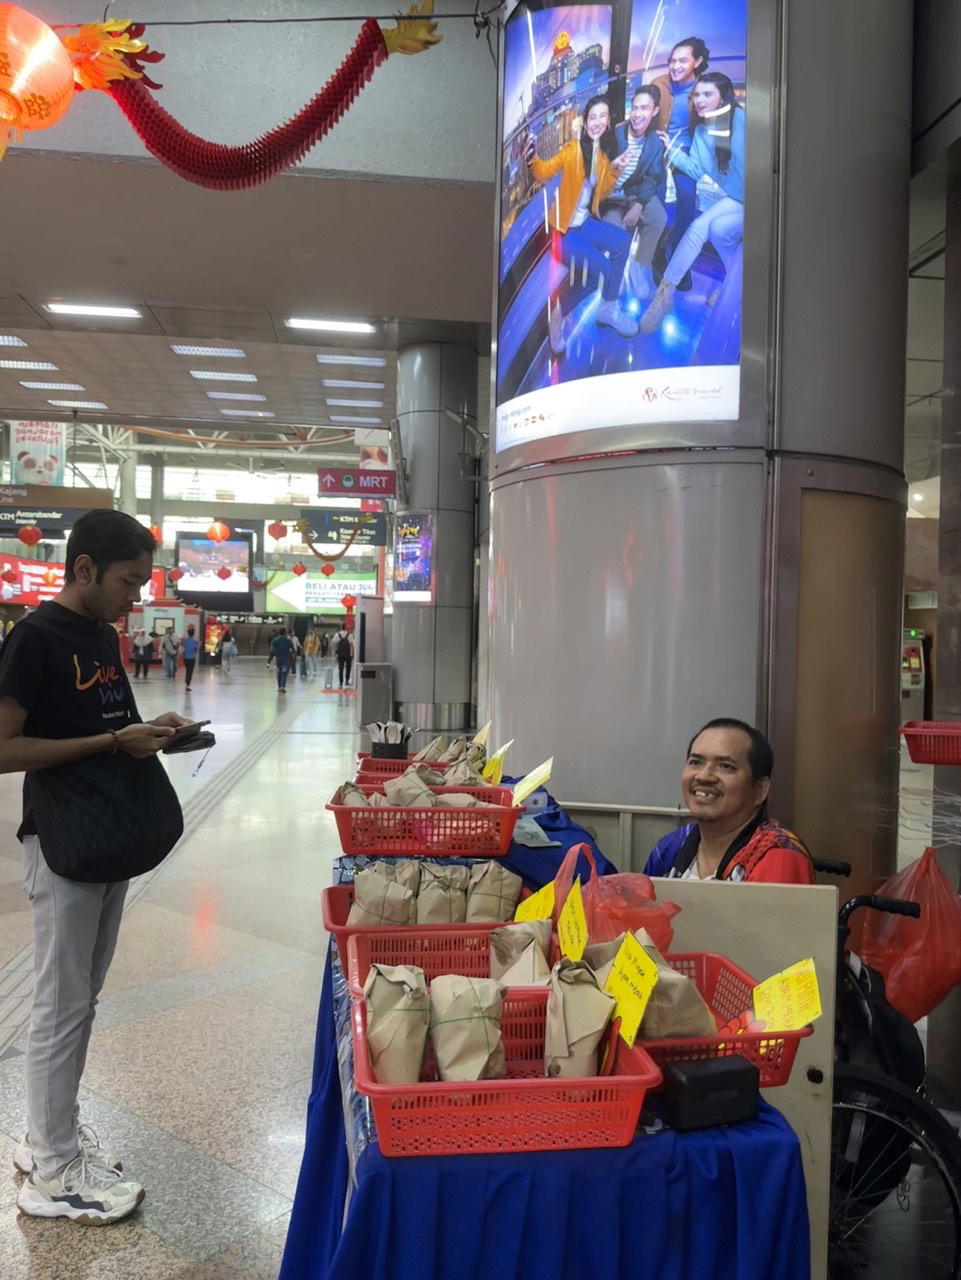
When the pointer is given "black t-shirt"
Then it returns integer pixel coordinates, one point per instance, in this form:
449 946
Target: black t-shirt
67 674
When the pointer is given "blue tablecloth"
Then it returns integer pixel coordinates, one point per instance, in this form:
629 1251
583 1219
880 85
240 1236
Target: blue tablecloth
720 1204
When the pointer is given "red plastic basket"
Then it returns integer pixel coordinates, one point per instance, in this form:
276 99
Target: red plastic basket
525 1112
335 908
933 741
425 833
384 768
728 991
437 949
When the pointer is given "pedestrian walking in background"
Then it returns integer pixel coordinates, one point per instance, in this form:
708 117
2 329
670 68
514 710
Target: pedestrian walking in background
281 655
190 644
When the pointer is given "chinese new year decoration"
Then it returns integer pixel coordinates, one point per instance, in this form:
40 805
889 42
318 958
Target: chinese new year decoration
51 577
348 602
305 531
175 575
218 532
39 71
157 533
9 575
299 568
29 535
277 530
327 570
223 573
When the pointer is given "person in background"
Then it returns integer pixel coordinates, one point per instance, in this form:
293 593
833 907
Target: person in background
281 654
716 153
324 645
189 645
724 785
688 59
169 648
142 646
298 655
228 651
311 647
344 653
69 722
634 203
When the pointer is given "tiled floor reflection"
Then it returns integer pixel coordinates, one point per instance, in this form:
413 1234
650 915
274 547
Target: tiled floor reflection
200 1061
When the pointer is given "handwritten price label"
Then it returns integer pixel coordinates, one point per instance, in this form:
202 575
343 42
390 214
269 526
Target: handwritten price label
572 924
789 1000
539 906
631 981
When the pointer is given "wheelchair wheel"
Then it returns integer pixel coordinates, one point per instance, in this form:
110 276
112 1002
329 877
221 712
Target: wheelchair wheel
895 1210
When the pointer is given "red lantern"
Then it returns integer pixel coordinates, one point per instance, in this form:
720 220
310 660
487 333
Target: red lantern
157 533
175 575
327 569
36 74
29 535
299 569
218 531
9 575
348 602
223 573
277 529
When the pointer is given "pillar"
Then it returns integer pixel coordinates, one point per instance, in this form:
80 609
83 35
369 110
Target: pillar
432 639
649 575
128 483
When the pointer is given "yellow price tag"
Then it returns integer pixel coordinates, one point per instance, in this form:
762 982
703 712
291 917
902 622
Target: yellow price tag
789 1000
539 906
494 769
536 778
632 978
480 737
572 924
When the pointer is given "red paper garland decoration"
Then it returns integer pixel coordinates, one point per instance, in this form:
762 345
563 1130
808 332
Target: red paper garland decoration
224 168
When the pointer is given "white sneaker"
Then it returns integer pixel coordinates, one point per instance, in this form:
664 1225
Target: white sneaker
89 1147
84 1192
611 317
640 280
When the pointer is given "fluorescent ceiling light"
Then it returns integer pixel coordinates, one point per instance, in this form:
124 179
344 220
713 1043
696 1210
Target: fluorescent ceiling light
348 384
29 364
356 404
918 497
223 353
77 404
373 422
217 375
52 386
330 326
8 340
235 395
373 362
80 309
246 413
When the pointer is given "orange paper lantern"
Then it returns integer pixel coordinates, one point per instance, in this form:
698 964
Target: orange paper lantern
327 569
277 529
218 531
299 569
29 535
157 533
36 74
223 573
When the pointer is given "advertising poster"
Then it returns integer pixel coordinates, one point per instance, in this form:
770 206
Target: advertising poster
37 452
621 216
313 593
36 581
414 559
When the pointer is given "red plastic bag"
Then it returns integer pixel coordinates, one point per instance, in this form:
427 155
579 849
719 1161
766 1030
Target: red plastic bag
920 959
615 904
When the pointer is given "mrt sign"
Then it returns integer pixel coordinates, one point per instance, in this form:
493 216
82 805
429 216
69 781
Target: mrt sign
356 482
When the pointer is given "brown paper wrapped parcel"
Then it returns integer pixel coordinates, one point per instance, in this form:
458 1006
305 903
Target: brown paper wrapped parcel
442 896
379 901
493 892
465 1028
578 1012
398 1017
519 953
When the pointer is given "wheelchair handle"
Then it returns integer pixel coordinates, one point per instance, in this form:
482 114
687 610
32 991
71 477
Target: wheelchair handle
892 906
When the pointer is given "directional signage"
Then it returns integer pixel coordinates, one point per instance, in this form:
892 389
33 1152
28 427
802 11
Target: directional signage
356 482
336 524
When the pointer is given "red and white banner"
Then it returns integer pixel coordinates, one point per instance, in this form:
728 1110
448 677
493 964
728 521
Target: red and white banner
37 581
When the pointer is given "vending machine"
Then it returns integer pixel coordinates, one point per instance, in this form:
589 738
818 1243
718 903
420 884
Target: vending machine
913 675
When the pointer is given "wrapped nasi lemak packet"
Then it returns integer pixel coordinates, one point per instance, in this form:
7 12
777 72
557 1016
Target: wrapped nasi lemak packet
442 896
676 1007
465 1028
433 751
398 1018
493 892
519 953
409 791
578 1012
379 901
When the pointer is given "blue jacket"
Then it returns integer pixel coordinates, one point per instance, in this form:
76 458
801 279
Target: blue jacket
701 162
643 184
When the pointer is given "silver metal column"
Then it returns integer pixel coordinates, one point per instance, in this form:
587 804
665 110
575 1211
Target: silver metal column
128 483
432 643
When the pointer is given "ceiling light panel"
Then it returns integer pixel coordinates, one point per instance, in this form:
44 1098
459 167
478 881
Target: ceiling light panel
77 404
372 362
218 375
246 413
215 353
349 384
373 422
52 386
44 365
235 395
330 326
81 309
8 340
356 404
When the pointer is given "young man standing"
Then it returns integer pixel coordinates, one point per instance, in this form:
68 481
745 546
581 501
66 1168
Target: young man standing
97 809
634 203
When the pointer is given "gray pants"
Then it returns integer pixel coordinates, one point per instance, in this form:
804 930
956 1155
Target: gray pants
649 229
75 930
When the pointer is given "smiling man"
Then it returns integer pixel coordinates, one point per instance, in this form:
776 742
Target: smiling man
97 809
724 784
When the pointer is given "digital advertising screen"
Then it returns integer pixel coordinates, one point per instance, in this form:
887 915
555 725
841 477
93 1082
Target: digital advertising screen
313 593
622 174
216 575
414 559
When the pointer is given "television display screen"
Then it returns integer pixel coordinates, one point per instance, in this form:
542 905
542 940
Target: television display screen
216 575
